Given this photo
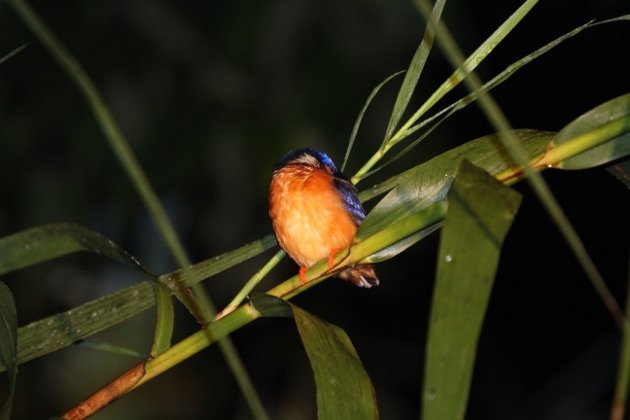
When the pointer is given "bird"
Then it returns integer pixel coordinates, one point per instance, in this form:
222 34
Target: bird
315 212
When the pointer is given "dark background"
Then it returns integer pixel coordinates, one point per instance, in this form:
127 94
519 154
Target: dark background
209 96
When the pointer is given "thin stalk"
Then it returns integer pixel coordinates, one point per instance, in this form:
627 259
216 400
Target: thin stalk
251 283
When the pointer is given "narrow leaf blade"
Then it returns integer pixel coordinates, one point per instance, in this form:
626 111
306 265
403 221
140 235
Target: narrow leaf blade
42 243
480 212
414 71
61 330
8 344
344 389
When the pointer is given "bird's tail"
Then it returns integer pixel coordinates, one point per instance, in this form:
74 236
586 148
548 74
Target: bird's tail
362 275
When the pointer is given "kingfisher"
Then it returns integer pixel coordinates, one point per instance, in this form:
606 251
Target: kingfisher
315 212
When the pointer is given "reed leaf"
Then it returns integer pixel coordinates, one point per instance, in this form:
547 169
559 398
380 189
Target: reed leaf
480 213
8 345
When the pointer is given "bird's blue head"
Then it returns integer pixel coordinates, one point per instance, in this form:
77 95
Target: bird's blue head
308 157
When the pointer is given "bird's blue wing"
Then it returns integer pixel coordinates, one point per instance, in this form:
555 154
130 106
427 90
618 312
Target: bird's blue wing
350 196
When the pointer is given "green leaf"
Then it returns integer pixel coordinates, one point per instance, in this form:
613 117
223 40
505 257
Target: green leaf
42 243
428 182
47 242
164 322
600 120
61 330
344 389
8 344
271 306
479 216
414 71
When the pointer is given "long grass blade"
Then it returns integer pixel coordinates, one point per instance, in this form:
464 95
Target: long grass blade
467 65
413 72
460 73
357 123
13 53
508 72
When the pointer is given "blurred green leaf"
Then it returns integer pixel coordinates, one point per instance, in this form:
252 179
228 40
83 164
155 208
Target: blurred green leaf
618 144
13 53
479 216
622 388
8 345
110 348
47 242
344 389
621 171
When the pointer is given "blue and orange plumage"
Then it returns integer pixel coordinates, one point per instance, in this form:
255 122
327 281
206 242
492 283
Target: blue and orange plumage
315 211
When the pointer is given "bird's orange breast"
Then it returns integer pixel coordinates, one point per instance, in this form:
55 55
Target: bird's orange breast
308 214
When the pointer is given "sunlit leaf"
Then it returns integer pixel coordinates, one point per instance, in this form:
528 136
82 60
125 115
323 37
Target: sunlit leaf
479 216
428 182
8 345
344 389
600 117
